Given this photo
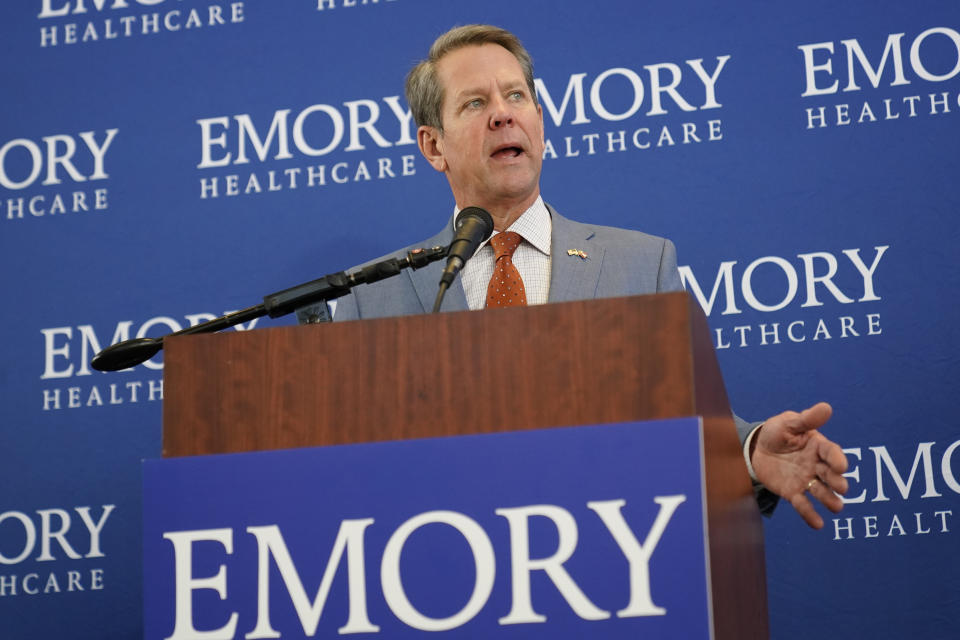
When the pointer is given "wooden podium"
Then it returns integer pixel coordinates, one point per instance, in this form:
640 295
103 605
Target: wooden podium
591 362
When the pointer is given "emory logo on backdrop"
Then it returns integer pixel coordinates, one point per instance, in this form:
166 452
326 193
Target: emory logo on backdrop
325 130
620 94
51 535
928 58
350 545
54 160
67 352
66 22
781 280
315 131
878 478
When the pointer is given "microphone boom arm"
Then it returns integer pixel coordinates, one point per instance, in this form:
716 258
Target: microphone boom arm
132 352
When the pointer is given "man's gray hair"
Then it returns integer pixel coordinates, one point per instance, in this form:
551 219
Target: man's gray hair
423 88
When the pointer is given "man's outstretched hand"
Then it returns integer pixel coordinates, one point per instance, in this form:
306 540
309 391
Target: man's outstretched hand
792 458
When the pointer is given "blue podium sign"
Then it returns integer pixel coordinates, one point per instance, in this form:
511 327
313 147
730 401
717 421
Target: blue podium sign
555 533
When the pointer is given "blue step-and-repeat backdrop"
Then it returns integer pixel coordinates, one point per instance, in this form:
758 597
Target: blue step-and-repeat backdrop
164 161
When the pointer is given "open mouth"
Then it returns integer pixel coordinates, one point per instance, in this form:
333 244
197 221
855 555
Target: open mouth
507 152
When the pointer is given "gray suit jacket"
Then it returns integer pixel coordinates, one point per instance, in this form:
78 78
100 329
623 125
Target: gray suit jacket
620 262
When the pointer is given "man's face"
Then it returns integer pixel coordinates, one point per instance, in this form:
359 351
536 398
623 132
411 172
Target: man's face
491 147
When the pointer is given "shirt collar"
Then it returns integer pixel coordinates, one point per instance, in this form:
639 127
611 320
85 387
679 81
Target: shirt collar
534 225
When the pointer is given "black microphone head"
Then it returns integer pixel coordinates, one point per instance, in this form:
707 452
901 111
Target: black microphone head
476 216
473 226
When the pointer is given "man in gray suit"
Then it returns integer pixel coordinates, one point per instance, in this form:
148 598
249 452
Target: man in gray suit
480 124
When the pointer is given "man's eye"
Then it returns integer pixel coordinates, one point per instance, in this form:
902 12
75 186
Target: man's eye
476 103
516 95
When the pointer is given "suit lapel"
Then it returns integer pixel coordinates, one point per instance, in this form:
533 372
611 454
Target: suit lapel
426 281
573 277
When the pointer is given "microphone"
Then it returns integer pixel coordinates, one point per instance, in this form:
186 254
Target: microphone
473 226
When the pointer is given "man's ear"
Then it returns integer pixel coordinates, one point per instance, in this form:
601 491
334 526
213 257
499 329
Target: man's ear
543 137
430 141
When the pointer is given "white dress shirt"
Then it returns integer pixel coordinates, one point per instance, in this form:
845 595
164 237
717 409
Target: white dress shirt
532 259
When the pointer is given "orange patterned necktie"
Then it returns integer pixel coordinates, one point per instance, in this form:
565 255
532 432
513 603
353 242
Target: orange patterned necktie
506 285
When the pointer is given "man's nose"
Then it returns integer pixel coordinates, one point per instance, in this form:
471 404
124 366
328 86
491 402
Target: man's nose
501 114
